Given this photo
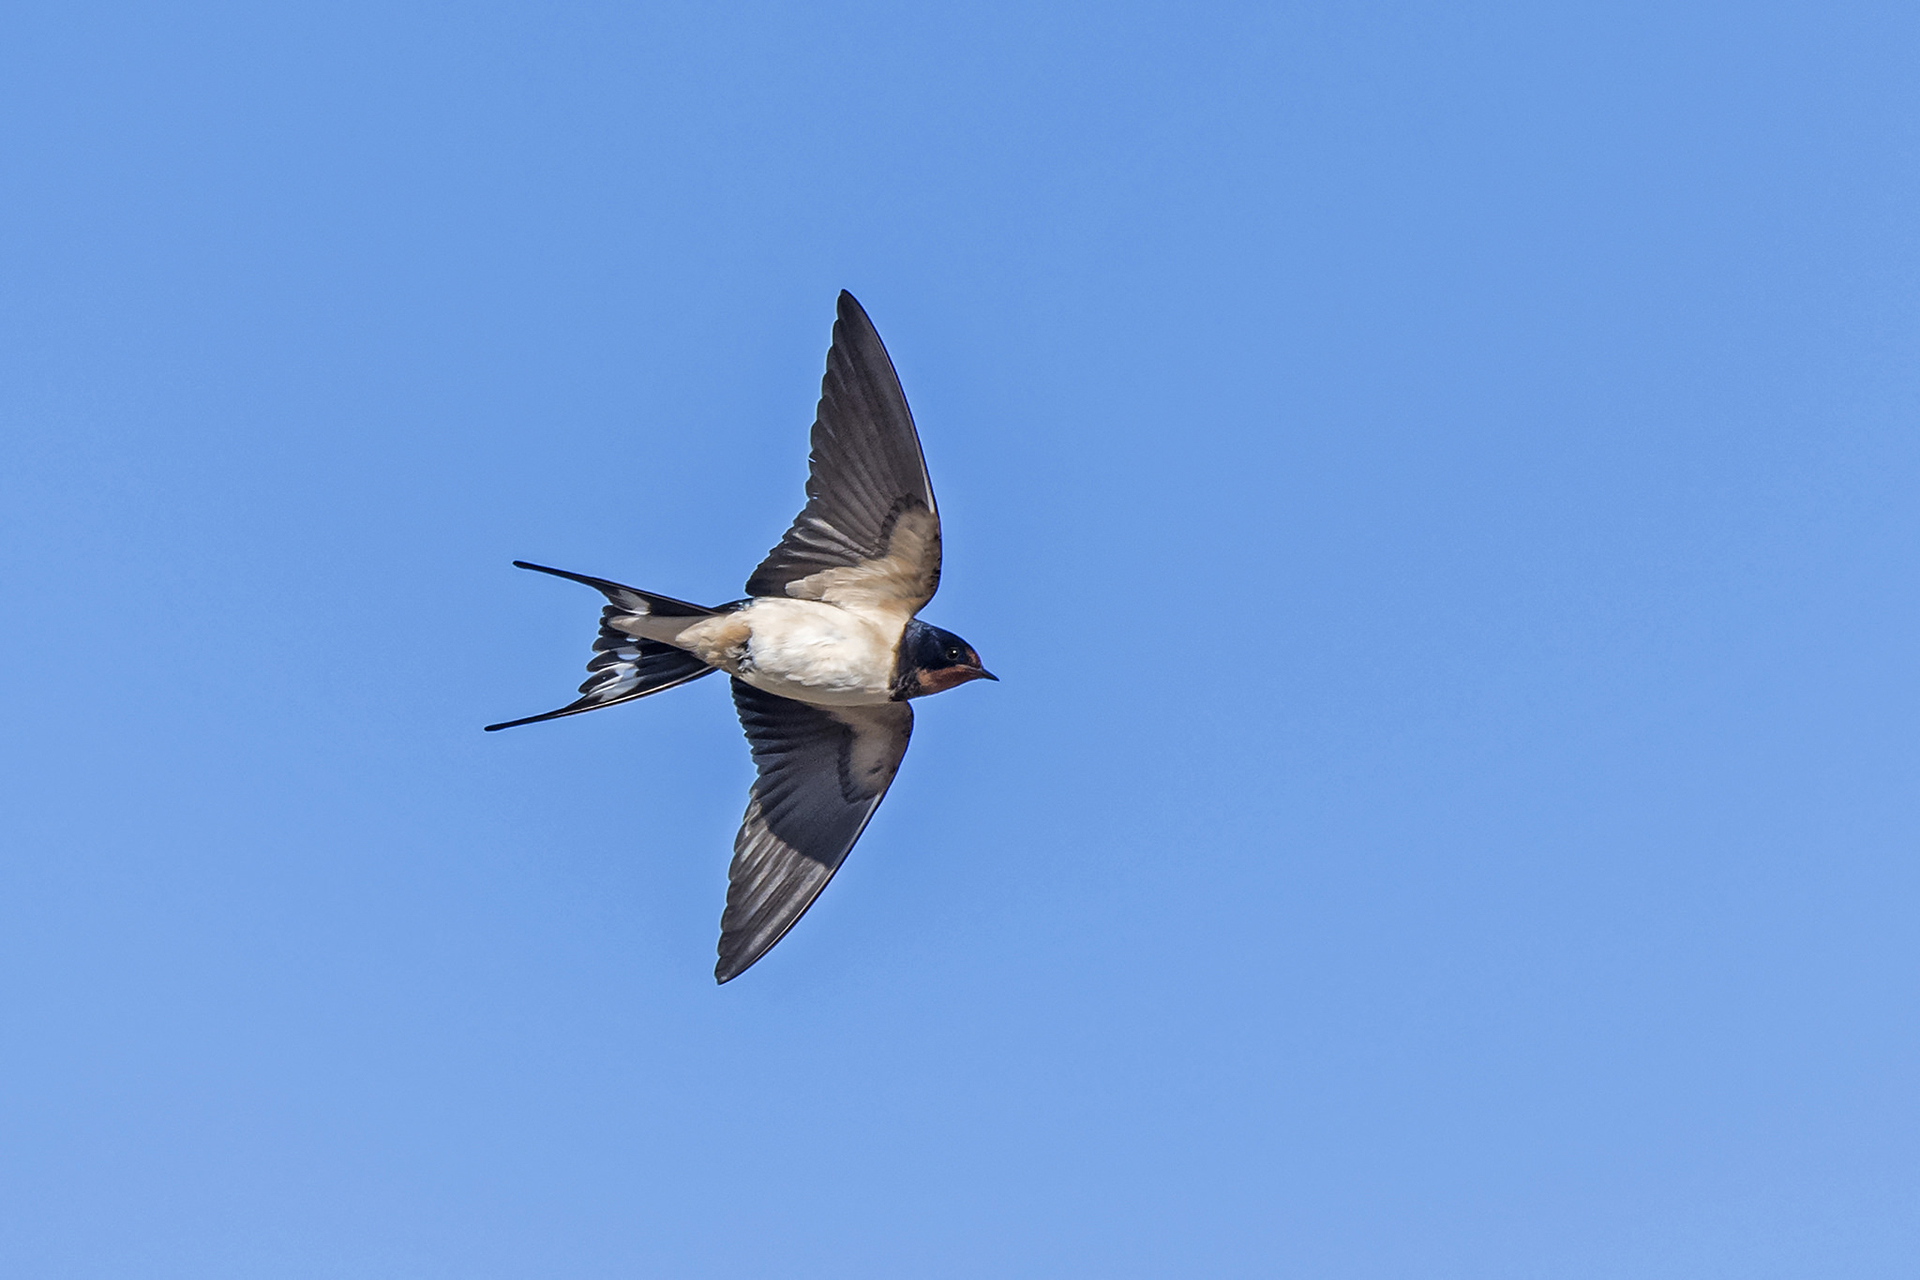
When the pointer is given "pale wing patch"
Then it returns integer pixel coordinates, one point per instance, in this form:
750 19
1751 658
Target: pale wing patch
874 754
898 583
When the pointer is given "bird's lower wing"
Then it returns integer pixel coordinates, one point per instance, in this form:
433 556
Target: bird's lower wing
822 773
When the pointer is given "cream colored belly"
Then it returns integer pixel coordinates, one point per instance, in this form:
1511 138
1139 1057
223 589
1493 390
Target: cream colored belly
802 649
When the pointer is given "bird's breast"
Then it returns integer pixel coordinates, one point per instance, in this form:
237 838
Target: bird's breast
802 649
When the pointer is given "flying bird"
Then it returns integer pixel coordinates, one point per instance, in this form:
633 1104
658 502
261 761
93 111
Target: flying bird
824 652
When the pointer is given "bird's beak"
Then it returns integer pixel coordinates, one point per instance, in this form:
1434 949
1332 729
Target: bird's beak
984 674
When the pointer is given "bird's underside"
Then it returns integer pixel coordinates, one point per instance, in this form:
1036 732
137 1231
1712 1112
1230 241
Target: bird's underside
812 651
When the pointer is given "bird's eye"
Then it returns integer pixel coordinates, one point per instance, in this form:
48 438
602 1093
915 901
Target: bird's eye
953 654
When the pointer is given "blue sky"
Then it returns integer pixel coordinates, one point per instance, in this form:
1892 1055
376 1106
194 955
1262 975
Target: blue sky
1437 483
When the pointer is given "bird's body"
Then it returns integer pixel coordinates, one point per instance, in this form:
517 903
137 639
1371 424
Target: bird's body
825 651
806 649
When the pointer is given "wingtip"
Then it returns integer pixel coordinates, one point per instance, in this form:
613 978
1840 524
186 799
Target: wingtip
728 967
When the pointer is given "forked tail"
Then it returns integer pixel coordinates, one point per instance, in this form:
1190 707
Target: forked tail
625 667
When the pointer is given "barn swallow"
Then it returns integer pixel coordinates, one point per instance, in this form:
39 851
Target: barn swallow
824 652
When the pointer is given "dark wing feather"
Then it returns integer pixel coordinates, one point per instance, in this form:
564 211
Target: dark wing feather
822 773
866 469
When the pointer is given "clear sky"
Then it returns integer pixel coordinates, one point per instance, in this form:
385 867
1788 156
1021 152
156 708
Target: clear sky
1439 483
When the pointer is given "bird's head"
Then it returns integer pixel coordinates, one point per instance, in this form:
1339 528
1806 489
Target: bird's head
932 660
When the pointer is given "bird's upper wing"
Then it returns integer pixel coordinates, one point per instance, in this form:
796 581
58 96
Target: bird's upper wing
822 773
870 533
